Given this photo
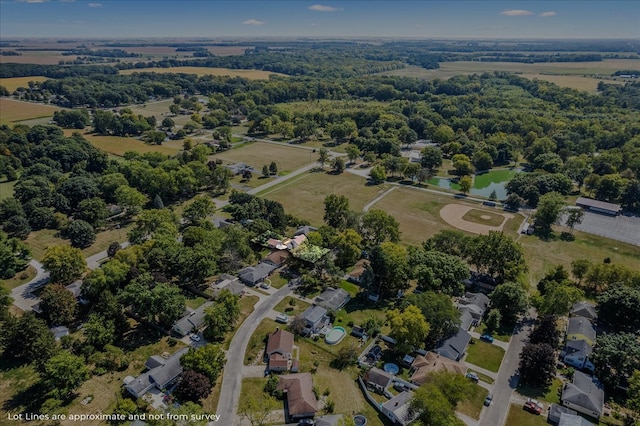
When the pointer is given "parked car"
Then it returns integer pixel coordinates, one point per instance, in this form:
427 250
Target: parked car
194 337
282 318
533 406
306 422
400 386
487 338
488 400
473 376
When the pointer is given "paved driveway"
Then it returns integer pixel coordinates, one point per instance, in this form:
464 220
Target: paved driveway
620 228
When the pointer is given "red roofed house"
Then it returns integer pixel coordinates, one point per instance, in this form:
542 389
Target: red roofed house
279 349
300 399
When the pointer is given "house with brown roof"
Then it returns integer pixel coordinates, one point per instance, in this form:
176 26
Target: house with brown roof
378 380
300 401
279 350
433 362
277 258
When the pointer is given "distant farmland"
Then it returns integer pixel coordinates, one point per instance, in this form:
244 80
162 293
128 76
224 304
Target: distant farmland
200 71
12 111
13 83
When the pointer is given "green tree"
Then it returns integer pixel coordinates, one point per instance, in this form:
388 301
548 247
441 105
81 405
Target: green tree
443 134
65 264
377 226
616 356
130 198
493 320
449 241
323 156
390 269
153 223
28 339
353 152
558 299
439 312
482 160
348 244
208 360
336 211
337 165
14 256
221 317
548 213
273 168
538 365
498 255
440 272
58 305
546 331
98 331
465 184
200 209
80 233
574 217
377 175
265 171
511 300
409 327
64 373
160 303
93 211
431 159
633 393
619 306
461 165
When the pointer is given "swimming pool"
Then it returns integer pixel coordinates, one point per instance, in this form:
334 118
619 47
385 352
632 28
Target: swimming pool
335 335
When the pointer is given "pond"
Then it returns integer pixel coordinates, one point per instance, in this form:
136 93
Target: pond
486 183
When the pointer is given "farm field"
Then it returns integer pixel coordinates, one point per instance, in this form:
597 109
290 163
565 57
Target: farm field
574 74
258 154
12 111
118 145
304 196
200 71
39 57
13 83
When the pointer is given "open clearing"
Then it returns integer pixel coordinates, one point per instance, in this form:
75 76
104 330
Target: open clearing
576 75
6 189
258 154
118 145
13 83
12 111
200 71
304 196
454 215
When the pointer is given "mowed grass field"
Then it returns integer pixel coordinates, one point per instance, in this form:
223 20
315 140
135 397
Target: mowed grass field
303 196
13 83
117 145
257 154
12 111
200 71
576 75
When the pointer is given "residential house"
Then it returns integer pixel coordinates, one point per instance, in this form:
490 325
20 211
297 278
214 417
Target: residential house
161 373
567 419
584 395
576 354
238 168
584 310
304 230
298 391
476 304
455 347
466 318
397 409
59 332
279 350
277 258
192 321
333 298
422 365
378 380
580 328
555 411
254 275
357 271
230 283
330 420
315 318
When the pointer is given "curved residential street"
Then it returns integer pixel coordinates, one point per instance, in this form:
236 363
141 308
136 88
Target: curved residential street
232 373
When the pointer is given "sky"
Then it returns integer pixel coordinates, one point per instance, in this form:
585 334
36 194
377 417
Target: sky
299 18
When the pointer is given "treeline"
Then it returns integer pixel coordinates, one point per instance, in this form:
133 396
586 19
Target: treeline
105 53
9 53
10 70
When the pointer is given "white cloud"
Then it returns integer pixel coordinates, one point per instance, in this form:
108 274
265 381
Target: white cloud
550 13
253 22
322 8
95 5
516 12
32 1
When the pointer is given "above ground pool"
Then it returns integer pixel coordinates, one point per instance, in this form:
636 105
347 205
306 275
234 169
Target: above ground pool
335 335
391 368
359 420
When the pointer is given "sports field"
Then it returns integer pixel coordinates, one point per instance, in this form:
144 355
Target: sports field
13 83
12 111
257 154
200 71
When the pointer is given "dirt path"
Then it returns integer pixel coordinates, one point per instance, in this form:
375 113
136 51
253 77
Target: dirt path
453 213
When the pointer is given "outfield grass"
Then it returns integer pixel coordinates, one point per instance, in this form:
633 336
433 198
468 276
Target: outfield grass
12 111
200 71
6 189
519 417
485 355
473 403
14 83
483 217
303 196
258 154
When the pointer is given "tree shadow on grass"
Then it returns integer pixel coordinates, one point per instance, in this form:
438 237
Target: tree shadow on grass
139 335
27 400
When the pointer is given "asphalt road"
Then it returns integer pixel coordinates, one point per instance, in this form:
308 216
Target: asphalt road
232 374
507 380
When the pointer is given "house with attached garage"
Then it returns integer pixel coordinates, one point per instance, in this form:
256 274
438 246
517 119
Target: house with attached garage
576 353
300 400
397 409
161 373
279 350
584 394
315 320
476 304
333 298
584 310
456 346
192 321
253 275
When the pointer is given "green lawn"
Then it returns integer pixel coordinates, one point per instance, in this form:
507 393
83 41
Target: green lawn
258 339
245 304
255 386
277 281
551 395
195 302
20 278
6 189
485 355
472 405
519 417
503 333
494 176
285 306
482 377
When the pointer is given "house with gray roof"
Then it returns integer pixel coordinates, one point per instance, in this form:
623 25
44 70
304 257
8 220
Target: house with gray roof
330 420
584 394
304 230
164 373
466 318
253 275
315 318
230 283
474 303
192 321
580 328
378 379
555 411
567 419
456 346
584 310
333 299
397 409
576 353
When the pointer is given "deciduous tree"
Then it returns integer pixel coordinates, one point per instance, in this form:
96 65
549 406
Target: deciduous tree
538 365
511 300
336 210
409 327
439 312
390 269
193 386
546 331
548 213
208 360
377 226
58 305
616 356
64 373
619 306
498 255
80 233
64 263
465 184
